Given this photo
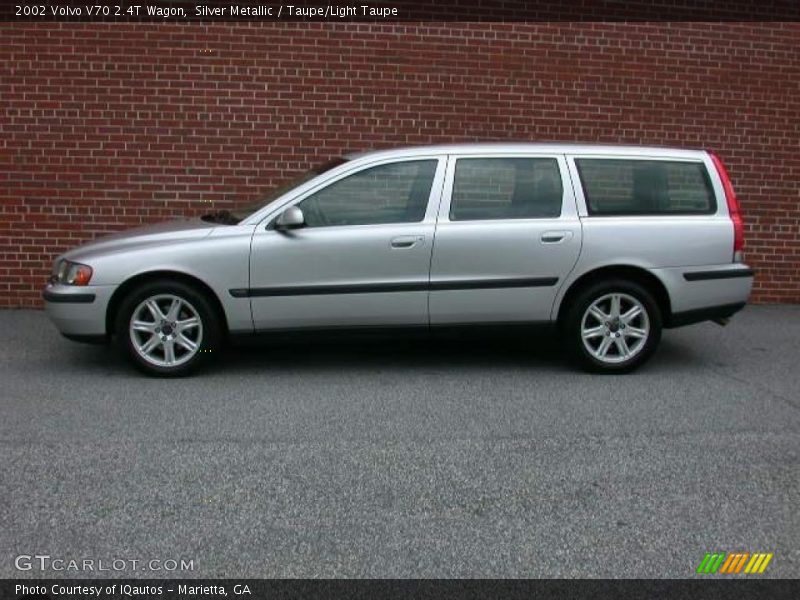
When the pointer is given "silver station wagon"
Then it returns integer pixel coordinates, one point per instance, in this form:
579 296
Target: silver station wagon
610 244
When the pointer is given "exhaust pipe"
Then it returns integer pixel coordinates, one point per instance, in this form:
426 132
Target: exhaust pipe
722 321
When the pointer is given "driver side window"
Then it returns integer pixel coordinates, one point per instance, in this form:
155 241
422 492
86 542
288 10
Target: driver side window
390 193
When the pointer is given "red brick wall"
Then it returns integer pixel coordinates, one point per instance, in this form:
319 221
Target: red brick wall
107 126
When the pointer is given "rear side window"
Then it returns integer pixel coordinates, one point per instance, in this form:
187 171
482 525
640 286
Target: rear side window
645 187
506 188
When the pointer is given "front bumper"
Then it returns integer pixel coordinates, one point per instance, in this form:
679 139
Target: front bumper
78 311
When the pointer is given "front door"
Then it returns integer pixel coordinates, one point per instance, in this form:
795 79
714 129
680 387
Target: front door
363 256
508 235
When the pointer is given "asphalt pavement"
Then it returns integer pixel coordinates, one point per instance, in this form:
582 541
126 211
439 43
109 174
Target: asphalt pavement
404 459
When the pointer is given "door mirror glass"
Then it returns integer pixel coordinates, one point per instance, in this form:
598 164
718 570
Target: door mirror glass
291 218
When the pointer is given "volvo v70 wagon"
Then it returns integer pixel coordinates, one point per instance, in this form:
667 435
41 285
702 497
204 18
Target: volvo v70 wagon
610 244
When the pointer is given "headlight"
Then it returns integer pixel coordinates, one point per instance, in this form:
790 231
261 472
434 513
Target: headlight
70 273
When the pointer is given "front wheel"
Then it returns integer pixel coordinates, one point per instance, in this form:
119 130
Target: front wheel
613 327
167 328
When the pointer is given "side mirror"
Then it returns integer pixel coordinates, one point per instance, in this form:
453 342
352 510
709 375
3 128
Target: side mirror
291 218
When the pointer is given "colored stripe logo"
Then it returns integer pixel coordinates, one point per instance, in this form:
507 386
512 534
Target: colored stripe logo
734 563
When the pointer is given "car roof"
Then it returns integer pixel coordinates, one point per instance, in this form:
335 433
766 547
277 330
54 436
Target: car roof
514 147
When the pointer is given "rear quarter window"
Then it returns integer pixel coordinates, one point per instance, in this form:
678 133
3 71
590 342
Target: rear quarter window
645 187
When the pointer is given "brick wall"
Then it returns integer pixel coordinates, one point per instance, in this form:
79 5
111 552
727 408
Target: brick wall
106 126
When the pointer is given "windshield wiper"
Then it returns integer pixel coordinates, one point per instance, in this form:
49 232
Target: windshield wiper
224 217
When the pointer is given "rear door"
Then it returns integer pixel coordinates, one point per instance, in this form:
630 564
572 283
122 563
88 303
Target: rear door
508 234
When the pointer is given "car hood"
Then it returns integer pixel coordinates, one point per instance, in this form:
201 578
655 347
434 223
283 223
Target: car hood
160 233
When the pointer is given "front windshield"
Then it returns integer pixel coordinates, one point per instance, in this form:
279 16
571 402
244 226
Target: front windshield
243 212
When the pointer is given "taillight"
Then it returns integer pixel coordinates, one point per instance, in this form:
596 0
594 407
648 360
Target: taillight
733 207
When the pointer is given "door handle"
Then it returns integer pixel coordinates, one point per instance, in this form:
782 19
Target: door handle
407 241
555 237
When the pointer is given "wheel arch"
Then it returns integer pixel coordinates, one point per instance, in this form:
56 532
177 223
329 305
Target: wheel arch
129 284
636 274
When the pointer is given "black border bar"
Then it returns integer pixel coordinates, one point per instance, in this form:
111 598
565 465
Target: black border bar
382 288
67 298
707 587
411 10
718 274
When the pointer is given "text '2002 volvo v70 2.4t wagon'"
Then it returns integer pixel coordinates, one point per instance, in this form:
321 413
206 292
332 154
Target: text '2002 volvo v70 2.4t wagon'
611 244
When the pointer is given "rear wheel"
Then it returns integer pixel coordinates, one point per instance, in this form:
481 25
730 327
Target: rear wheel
613 326
167 328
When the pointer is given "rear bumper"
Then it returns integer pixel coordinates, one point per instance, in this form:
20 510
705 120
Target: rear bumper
699 315
705 292
78 312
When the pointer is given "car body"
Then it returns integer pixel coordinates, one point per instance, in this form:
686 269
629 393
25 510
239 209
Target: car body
468 234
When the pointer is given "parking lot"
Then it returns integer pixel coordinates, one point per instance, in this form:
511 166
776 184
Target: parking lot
406 459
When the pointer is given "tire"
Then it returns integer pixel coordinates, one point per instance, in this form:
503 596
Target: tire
598 344
160 341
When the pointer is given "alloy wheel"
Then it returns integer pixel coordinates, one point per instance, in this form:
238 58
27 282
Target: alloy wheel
166 330
615 328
